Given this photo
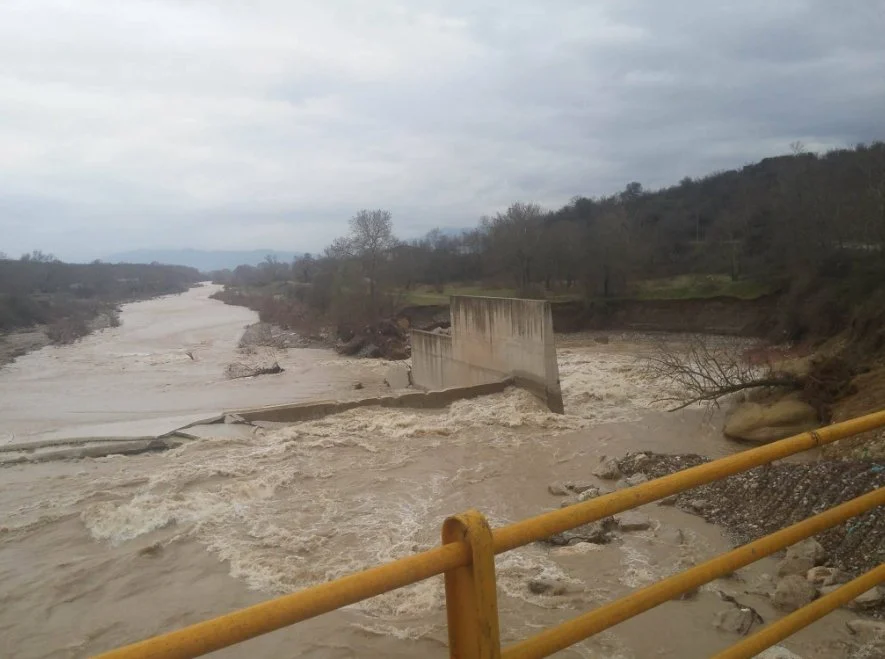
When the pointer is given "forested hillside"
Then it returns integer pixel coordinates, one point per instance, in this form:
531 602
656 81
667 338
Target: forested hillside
808 227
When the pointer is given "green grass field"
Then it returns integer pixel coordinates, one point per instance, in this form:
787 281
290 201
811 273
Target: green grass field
686 287
426 296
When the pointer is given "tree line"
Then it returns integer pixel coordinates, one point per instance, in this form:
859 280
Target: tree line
792 221
38 289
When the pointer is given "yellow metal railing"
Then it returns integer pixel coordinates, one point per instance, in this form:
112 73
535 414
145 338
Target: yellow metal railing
466 557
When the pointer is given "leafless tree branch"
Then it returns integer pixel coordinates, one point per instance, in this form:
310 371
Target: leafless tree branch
710 368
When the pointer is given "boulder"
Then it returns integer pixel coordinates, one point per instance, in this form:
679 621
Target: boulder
698 505
594 532
873 598
559 489
763 423
736 620
632 481
592 493
582 486
632 521
867 631
808 549
793 592
762 585
669 501
608 469
640 461
569 501
794 565
239 370
826 576
547 586
869 600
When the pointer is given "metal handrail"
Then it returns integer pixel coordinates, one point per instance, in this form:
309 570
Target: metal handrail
576 630
451 557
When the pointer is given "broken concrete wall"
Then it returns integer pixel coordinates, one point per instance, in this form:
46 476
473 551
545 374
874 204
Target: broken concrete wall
433 366
492 338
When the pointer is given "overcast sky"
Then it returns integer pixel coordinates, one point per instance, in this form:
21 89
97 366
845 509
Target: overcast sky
233 124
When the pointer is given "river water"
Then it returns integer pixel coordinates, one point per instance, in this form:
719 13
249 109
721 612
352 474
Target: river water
95 553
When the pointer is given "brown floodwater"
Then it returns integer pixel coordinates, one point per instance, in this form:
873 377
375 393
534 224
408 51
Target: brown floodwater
162 368
95 553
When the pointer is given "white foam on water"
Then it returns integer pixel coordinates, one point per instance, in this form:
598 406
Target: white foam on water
300 505
638 568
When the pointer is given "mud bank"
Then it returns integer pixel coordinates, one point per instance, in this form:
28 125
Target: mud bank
20 342
720 315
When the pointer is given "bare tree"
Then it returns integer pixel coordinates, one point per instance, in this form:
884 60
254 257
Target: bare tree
39 256
797 148
611 252
514 237
704 371
370 239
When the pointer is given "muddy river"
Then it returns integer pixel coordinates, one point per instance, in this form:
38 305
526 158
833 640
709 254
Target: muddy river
95 553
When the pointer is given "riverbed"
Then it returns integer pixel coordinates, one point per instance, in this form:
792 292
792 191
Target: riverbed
95 553
162 368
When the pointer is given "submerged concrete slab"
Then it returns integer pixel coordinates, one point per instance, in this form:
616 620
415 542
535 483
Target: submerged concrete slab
417 399
233 424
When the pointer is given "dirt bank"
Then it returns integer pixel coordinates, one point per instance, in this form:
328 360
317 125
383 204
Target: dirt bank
719 315
15 344
62 332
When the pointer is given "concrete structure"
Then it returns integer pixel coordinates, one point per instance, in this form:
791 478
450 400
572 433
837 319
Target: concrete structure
240 423
491 338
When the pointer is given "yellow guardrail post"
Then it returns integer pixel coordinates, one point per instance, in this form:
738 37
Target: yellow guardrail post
471 591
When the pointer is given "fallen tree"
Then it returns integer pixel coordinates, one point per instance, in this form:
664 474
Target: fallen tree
710 368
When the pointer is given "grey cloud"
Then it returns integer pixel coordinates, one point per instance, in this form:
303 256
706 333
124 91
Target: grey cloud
235 125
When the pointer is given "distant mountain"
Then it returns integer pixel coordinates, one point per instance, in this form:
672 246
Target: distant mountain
204 260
